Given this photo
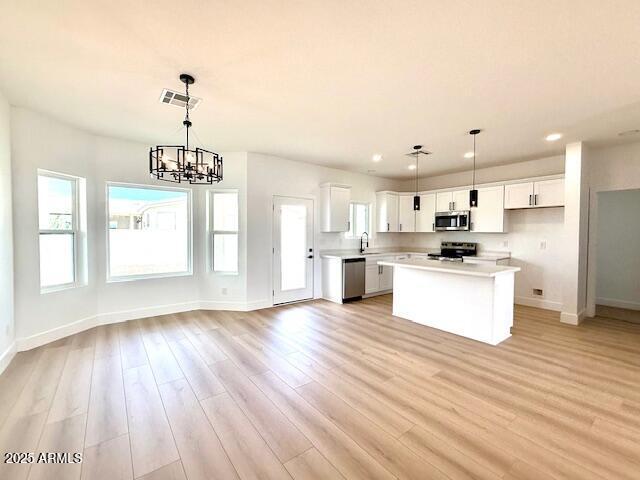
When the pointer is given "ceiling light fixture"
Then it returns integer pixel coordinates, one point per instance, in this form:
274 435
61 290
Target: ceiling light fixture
473 193
377 157
468 155
417 150
552 137
179 163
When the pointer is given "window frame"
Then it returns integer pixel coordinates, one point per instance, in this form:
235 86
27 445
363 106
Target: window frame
146 276
211 233
352 220
75 230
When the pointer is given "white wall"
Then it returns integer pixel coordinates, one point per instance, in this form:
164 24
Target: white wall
527 231
617 257
269 176
41 142
7 326
512 171
611 169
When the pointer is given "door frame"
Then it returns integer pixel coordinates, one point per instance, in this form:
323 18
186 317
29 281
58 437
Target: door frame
273 251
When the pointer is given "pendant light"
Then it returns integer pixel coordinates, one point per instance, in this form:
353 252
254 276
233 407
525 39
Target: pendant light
473 193
181 163
417 150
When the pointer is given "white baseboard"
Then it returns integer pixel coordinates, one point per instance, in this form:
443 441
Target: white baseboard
48 336
235 306
7 356
572 318
124 315
614 302
539 302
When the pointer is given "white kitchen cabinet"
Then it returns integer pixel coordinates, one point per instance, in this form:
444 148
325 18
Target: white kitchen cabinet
335 207
444 201
425 217
518 195
377 278
488 216
386 278
549 193
460 200
372 279
406 213
387 212
453 200
543 193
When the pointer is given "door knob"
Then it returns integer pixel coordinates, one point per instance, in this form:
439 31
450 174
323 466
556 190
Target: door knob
309 256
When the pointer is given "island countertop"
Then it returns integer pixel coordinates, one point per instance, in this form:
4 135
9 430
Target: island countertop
461 268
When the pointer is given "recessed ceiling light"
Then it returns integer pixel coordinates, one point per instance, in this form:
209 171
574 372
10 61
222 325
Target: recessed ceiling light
468 155
377 157
411 167
552 137
629 133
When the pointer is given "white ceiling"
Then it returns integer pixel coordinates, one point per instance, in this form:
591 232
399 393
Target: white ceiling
333 82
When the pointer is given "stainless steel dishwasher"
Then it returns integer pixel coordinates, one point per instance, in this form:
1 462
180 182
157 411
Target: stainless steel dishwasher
353 270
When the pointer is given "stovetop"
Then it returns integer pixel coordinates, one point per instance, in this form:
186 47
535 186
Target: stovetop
454 251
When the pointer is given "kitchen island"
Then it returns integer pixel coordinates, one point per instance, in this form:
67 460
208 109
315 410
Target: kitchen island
470 300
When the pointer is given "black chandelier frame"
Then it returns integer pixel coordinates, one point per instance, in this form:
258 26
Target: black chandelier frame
181 164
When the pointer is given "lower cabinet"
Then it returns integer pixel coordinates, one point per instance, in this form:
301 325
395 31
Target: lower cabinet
377 278
371 279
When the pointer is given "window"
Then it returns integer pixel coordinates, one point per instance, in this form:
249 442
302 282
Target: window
224 230
149 231
358 219
59 226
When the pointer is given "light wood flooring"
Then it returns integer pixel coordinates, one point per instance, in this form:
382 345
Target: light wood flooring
324 391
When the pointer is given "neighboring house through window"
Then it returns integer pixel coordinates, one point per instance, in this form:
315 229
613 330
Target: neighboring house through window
149 231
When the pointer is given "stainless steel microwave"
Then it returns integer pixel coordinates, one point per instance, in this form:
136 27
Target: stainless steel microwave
459 220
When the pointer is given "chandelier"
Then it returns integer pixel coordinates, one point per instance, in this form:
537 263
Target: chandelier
179 163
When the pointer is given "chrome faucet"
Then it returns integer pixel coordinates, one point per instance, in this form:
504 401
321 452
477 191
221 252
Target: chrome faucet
362 241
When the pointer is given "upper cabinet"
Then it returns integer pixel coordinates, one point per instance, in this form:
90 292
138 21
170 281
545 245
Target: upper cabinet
518 195
549 193
406 213
335 207
443 201
387 212
544 193
461 199
453 200
488 216
425 216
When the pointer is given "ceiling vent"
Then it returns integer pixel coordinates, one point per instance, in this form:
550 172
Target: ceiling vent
178 99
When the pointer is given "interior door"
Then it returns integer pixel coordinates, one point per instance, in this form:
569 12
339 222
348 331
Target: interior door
292 249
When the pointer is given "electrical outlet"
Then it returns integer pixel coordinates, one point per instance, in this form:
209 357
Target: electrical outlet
505 244
223 290
543 245
538 292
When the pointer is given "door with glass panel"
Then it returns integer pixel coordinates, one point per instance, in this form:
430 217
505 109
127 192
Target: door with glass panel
292 249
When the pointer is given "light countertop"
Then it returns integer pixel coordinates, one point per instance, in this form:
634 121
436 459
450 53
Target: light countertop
345 254
478 270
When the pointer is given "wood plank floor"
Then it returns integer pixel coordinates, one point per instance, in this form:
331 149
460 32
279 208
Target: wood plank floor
324 391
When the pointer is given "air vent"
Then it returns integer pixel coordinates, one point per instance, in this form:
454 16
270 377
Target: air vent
538 292
178 99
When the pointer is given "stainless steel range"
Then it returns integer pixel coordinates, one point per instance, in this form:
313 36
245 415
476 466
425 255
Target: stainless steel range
454 251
